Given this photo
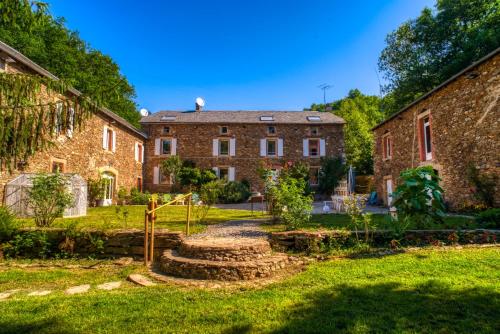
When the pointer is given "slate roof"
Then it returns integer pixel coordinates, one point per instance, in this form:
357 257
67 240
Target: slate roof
19 57
243 116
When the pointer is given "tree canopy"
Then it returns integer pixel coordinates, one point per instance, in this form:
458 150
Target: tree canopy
29 27
361 112
423 52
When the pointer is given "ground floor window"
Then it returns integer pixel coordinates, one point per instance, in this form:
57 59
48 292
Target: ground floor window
139 184
314 176
109 181
224 173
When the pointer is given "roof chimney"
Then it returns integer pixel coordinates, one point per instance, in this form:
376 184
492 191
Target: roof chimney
199 104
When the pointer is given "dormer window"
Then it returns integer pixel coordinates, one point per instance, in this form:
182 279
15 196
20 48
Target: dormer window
267 118
166 130
271 130
314 118
167 118
223 130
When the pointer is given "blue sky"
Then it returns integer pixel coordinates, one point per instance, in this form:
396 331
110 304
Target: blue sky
240 54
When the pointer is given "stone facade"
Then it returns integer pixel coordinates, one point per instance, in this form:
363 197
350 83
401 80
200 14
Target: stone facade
195 142
464 119
83 152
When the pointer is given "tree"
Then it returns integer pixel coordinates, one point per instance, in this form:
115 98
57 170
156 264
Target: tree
331 172
172 166
49 197
362 113
30 28
426 51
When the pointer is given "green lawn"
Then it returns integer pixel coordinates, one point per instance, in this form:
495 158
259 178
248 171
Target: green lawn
172 217
380 222
427 291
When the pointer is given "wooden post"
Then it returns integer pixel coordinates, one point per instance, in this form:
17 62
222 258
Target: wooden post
188 218
146 223
152 240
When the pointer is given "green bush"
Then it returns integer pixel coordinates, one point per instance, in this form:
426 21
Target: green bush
331 172
419 197
8 224
295 206
489 218
34 244
234 192
139 198
49 197
123 197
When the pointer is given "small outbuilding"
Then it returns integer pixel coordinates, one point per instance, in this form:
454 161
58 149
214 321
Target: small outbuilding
17 195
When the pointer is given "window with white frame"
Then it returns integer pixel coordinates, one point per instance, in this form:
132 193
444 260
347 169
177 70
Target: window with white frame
271 130
387 146
166 130
314 176
108 139
223 130
223 147
271 147
314 147
139 152
425 135
166 146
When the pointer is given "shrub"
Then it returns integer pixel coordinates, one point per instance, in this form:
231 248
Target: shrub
331 172
94 191
296 207
209 194
419 197
234 192
489 218
172 166
49 197
123 197
139 198
8 225
34 244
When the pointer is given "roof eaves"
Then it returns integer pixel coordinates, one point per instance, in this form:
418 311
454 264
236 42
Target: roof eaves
443 84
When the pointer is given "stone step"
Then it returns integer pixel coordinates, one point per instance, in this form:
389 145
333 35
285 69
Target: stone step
225 249
172 263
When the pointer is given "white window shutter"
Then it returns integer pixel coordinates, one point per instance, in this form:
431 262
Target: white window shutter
322 148
71 121
136 151
305 144
231 174
215 146
263 150
280 147
232 147
143 149
114 141
105 138
216 170
173 150
156 175
157 146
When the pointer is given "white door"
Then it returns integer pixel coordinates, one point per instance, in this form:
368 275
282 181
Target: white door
109 185
388 187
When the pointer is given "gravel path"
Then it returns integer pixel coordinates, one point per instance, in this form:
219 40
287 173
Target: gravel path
234 229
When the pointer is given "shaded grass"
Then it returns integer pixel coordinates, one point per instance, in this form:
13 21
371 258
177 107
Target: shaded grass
447 291
380 222
172 217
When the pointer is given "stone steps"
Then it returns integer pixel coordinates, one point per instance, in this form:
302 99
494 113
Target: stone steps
223 259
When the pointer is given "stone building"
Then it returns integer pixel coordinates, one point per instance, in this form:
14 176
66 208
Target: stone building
454 126
107 145
234 143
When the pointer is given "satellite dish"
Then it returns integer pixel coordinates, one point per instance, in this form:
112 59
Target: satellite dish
200 102
144 112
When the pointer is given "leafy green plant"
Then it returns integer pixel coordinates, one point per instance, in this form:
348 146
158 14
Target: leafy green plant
49 197
8 224
94 191
419 196
234 192
209 194
484 185
139 198
122 195
97 245
489 218
355 205
122 213
172 166
331 172
295 206
33 244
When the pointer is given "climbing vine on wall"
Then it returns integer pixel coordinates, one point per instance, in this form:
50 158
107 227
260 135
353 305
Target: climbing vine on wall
35 110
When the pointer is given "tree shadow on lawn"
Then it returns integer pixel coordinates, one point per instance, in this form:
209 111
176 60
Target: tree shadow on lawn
393 308
51 325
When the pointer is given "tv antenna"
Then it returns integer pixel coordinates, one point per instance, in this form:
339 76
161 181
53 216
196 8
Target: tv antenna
324 87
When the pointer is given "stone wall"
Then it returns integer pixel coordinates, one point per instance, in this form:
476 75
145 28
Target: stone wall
465 128
83 153
194 142
314 241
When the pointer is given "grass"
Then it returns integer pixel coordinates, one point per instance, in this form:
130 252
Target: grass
172 217
427 291
380 222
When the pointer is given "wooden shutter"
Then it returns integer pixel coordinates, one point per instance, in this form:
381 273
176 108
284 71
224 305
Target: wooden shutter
305 147
232 147
173 150
280 147
156 175
322 148
157 146
263 150
215 147
105 138
230 176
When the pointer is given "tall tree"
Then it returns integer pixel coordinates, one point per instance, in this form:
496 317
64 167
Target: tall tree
29 27
425 51
361 112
